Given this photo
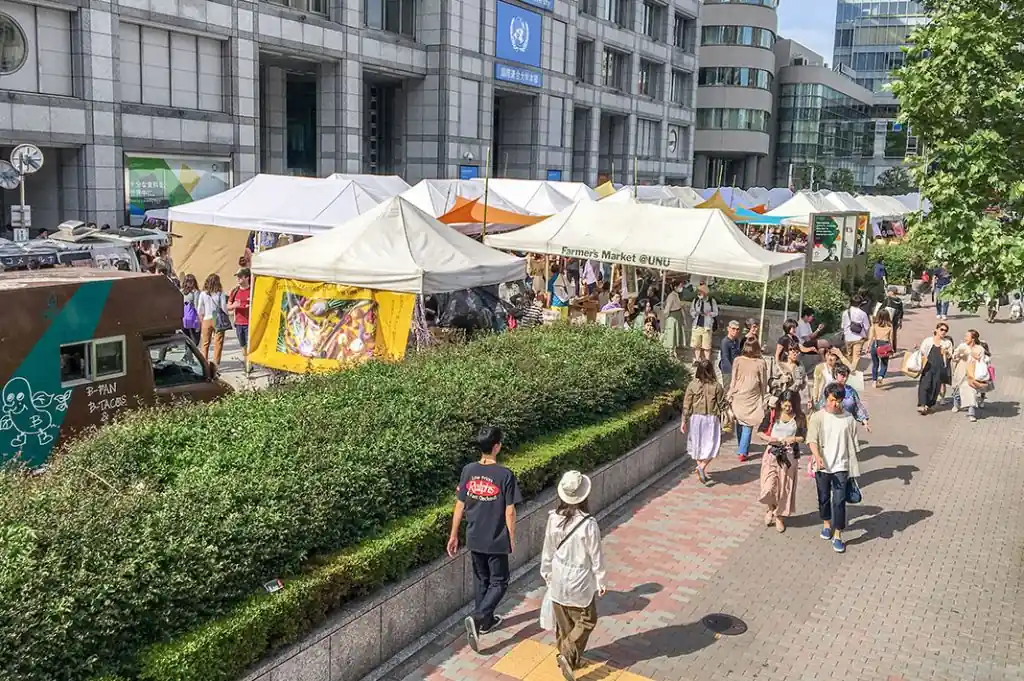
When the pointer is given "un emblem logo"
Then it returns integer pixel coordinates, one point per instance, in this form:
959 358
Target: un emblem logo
519 34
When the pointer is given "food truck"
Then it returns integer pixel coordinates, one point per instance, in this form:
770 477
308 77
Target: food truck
80 346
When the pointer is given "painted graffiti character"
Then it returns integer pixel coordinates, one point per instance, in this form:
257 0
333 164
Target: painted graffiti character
28 413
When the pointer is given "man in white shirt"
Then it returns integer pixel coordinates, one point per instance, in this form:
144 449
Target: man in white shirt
591 272
810 335
832 439
856 325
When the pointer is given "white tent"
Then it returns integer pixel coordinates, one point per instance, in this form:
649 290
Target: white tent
703 242
537 197
281 204
800 207
384 186
689 195
881 209
394 247
654 195
845 201
437 197
771 197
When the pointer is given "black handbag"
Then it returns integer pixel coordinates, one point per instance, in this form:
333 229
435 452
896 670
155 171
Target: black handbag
853 495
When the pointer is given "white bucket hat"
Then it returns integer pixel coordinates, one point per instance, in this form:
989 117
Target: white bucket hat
574 487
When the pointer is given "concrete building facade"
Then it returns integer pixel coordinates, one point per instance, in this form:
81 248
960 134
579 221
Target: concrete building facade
141 103
734 93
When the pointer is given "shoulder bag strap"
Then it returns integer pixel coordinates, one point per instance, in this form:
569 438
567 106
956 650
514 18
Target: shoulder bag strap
572 532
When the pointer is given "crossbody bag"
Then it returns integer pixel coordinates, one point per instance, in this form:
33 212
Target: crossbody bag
586 517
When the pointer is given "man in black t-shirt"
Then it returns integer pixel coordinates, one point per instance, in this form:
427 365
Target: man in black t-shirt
487 496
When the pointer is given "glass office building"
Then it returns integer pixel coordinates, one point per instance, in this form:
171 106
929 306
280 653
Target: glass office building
870 35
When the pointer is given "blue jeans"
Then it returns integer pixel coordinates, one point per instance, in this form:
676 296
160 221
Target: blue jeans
743 435
879 365
832 497
242 333
941 307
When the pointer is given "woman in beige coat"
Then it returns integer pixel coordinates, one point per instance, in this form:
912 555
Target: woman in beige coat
746 393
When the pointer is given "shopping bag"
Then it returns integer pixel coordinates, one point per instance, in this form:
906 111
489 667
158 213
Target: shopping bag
547 613
912 364
980 371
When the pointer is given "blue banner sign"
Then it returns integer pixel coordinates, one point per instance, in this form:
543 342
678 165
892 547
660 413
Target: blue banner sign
469 172
518 75
554 175
517 36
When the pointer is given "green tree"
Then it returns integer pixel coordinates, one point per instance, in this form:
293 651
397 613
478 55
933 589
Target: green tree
894 181
803 177
843 180
962 93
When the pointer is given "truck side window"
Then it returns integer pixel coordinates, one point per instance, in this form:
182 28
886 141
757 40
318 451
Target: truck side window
175 363
75 364
109 358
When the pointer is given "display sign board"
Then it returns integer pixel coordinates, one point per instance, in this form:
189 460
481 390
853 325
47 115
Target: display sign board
153 182
863 221
850 240
518 35
554 175
469 172
518 75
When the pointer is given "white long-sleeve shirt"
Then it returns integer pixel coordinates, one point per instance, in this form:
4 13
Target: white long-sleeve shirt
576 571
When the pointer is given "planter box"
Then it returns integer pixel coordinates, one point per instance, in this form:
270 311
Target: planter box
368 633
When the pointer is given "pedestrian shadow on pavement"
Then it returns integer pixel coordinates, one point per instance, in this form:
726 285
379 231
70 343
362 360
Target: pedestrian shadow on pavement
1000 410
904 473
621 602
886 524
738 475
888 451
812 519
672 641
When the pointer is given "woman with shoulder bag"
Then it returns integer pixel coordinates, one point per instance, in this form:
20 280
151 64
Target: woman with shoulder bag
213 311
970 374
572 566
935 352
880 338
704 404
747 392
783 430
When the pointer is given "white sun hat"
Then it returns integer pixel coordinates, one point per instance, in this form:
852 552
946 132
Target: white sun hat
574 487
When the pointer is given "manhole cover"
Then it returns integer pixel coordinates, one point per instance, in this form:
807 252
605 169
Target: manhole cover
727 625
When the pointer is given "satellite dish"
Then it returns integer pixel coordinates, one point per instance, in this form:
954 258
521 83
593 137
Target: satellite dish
9 177
27 158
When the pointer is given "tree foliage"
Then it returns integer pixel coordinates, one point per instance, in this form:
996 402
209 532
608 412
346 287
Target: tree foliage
894 181
811 176
962 93
843 180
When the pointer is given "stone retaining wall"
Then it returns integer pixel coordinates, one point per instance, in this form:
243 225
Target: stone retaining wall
368 633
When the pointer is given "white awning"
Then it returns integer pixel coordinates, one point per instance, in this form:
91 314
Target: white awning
703 242
393 247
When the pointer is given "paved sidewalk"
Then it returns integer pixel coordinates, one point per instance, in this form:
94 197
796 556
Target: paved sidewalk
931 586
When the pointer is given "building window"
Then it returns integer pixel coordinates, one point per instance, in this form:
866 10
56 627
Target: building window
13 45
678 146
167 68
617 12
733 119
585 61
684 33
878 61
654 20
895 140
315 6
764 3
393 16
614 68
749 36
648 138
588 7
651 77
735 76
682 88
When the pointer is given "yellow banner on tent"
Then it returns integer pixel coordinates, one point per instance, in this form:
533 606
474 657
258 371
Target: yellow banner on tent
303 326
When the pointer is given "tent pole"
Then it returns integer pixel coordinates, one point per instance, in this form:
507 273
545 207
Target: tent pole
785 309
487 178
803 278
764 302
663 274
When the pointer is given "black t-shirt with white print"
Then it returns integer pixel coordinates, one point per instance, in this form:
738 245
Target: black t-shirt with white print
487 490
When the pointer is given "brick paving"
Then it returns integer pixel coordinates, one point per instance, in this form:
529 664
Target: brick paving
931 586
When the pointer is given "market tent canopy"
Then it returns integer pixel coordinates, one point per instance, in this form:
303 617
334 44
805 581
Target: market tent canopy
384 186
537 197
282 204
800 207
605 190
689 195
749 216
394 247
733 197
879 208
474 211
702 242
771 198
437 197
654 195
716 201
845 201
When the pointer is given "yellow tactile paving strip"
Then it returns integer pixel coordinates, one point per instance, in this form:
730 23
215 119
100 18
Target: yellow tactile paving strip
534 661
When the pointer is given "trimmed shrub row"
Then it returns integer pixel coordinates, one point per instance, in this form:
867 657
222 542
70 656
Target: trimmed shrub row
223 649
160 522
903 262
822 292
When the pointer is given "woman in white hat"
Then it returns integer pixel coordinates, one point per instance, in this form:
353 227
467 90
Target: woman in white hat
572 566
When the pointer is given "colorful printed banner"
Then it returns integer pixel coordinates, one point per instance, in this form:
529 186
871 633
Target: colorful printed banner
302 326
154 182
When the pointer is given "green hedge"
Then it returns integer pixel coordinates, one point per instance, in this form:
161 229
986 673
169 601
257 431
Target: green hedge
222 650
822 292
165 520
903 263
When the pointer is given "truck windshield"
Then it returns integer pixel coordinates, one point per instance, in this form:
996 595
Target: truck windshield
175 363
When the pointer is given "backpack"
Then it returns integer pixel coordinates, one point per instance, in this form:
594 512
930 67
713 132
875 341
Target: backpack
221 320
189 317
